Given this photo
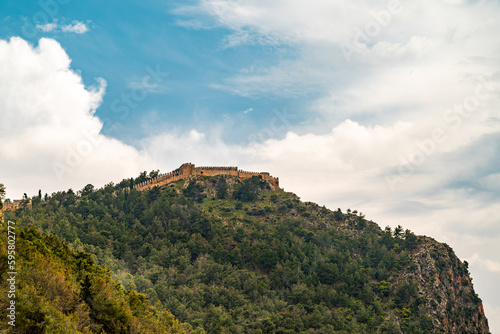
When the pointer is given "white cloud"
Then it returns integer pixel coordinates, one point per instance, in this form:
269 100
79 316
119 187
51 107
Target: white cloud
173 149
419 47
50 137
47 27
487 264
76 27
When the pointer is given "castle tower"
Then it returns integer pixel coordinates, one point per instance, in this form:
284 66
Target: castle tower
186 169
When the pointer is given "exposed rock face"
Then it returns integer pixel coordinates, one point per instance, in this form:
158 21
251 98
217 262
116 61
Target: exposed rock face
445 289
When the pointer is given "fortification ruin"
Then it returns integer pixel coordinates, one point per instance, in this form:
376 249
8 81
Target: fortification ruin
188 169
16 204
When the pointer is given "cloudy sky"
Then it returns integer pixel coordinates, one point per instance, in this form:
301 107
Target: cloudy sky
388 107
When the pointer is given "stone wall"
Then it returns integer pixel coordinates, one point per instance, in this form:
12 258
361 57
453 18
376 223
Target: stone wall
188 169
16 204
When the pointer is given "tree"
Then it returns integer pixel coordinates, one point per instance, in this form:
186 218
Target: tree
70 198
142 177
194 190
154 173
249 190
87 190
153 194
37 199
338 215
25 201
411 239
398 232
2 194
221 188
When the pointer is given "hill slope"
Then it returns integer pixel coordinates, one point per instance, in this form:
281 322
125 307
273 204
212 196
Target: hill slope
244 257
58 290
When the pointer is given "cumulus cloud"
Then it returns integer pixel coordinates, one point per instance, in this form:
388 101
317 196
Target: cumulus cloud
173 149
406 46
50 136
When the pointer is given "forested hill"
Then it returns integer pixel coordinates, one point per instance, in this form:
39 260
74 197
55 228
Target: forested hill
58 290
234 256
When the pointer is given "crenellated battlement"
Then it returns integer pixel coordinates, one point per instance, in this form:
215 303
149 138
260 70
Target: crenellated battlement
217 168
188 169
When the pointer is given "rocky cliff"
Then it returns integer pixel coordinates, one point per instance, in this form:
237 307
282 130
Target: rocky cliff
444 289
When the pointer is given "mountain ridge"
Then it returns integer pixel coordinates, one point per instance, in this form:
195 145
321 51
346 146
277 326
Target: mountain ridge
233 255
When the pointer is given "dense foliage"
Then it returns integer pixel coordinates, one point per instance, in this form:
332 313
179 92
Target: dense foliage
58 290
239 257
2 195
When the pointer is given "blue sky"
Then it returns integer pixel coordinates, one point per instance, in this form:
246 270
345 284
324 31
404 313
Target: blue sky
124 40
387 107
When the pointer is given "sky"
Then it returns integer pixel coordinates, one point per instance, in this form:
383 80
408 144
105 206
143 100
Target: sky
388 107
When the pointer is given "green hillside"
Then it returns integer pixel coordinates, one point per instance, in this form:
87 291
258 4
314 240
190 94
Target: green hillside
242 257
58 290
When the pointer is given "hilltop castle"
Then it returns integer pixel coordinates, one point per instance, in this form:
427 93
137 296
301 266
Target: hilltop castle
183 172
188 169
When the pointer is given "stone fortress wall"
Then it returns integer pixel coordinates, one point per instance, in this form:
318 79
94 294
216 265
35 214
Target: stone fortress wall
16 204
183 172
188 169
